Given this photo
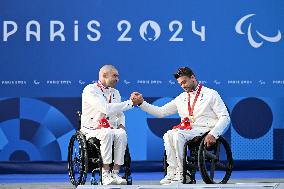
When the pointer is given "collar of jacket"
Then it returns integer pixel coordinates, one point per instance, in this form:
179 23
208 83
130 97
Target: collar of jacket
195 89
101 85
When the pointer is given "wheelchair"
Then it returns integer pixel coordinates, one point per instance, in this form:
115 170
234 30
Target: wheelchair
207 159
84 157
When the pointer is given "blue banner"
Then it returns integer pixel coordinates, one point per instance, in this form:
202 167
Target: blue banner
50 50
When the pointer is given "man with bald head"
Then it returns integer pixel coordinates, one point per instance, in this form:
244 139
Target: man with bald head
103 118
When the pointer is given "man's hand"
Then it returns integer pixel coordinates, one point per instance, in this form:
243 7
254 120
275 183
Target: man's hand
209 140
136 98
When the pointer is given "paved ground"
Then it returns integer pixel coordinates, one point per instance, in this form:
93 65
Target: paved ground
239 179
246 184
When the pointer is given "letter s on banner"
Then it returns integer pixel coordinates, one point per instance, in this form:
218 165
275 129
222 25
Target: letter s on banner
94 30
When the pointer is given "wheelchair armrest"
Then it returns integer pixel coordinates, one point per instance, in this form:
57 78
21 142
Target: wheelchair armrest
196 140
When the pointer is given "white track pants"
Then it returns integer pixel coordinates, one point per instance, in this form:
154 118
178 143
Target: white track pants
109 137
174 141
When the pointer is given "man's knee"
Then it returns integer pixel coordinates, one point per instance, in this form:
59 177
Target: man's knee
178 136
107 134
168 134
121 134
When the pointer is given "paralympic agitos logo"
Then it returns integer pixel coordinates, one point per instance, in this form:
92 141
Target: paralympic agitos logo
256 43
149 30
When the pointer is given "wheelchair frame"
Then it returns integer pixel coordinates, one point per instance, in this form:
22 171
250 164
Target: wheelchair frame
87 158
197 155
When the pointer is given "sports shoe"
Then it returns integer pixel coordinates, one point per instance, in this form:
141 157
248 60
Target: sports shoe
168 178
117 178
178 178
107 178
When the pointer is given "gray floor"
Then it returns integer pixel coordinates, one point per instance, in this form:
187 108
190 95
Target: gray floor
251 183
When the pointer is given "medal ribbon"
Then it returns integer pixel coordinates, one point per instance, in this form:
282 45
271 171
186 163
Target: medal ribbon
103 122
190 109
101 87
185 123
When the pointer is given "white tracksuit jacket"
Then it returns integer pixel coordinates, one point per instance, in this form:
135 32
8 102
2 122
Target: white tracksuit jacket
210 114
98 102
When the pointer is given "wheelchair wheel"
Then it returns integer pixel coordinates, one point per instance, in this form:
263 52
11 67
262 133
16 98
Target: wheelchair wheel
95 162
77 159
217 157
127 162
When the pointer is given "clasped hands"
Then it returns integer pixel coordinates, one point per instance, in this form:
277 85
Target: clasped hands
136 98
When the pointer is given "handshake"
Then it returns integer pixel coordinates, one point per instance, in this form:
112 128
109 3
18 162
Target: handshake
136 98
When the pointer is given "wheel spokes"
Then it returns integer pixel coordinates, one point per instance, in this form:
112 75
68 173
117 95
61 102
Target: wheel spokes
76 161
213 159
221 165
210 156
209 161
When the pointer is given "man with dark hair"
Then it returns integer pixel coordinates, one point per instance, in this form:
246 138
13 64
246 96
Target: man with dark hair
183 71
201 110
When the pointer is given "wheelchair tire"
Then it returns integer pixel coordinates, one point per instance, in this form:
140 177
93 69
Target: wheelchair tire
126 167
205 157
77 159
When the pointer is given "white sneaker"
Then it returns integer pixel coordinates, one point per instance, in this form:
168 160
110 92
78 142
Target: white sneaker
107 178
178 178
168 178
117 179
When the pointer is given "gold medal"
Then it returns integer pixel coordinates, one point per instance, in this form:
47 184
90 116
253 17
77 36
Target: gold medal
192 119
